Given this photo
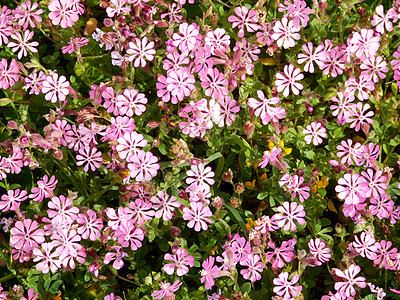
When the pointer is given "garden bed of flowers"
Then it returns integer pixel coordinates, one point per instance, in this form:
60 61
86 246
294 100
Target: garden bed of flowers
226 149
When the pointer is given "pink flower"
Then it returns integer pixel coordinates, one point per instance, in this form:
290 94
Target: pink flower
318 56
282 254
298 11
164 205
91 157
90 225
299 188
44 188
365 245
187 38
55 88
288 79
167 290
359 117
201 175
215 84
141 210
263 108
118 256
349 275
61 13
288 213
285 288
11 200
383 256
131 101
319 250
335 59
314 133
364 44
31 295
229 108
140 50
143 166
8 74
241 248
366 155
218 40
179 83
181 260
376 185
74 45
197 216
127 233
209 272
285 33
342 109
130 143
26 15
244 18
62 207
347 151
375 68
35 82
363 86
382 21
255 267
351 188
383 206
49 261
26 235
22 43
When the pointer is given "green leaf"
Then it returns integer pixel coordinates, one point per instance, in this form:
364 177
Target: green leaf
237 217
244 145
246 287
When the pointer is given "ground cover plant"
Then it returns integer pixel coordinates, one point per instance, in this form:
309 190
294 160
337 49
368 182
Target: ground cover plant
156 149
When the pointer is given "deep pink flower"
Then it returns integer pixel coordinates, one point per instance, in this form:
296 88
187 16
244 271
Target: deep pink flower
375 68
347 151
263 108
26 15
383 256
209 272
26 235
366 155
285 253
365 245
349 275
187 38
359 117
142 210
383 206
382 21
287 80
180 83
197 216
334 62
140 50
49 260
11 200
218 40
181 260
8 74
91 157
244 18
62 207
255 267
35 82
229 108
127 233
215 84
61 13
241 248
74 45
299 188
285 288
118 256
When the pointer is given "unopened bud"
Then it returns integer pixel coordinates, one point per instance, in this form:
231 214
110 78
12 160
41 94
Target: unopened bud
227 176
218 202
175 231
234 202
156 143
18 290
12 125
249 128
57 153
239 188
153 124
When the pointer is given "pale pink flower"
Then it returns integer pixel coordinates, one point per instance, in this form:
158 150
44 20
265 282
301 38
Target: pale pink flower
375 67
12 200
319 250
180 83
215 83
365 245
130 143
349 275
197 216
118 256
167 290
218 40
363 85
318 56
127 233
288 213
350 188
382 21
365 43
117 8
90 225
314 133
55 88
244 18
131 102
359 117
287 80
35 82
341 110
142 210
74 45
229 108
285 33
282 254
90 157
383 256
48 259
44 188
62 207
22 43
199 174
209 272
143 166
164 205
297 187
139 50
187 38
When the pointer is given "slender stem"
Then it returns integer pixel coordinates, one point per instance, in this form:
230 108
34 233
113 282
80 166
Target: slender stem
100 193
7 277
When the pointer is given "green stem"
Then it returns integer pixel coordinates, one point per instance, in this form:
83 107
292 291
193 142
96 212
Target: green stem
7 277
100 193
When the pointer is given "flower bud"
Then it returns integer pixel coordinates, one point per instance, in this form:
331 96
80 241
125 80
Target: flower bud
153 124
249 128
300 172
234 202
218 202
57 153
18 290
227 176
12 125
175 231
239 188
